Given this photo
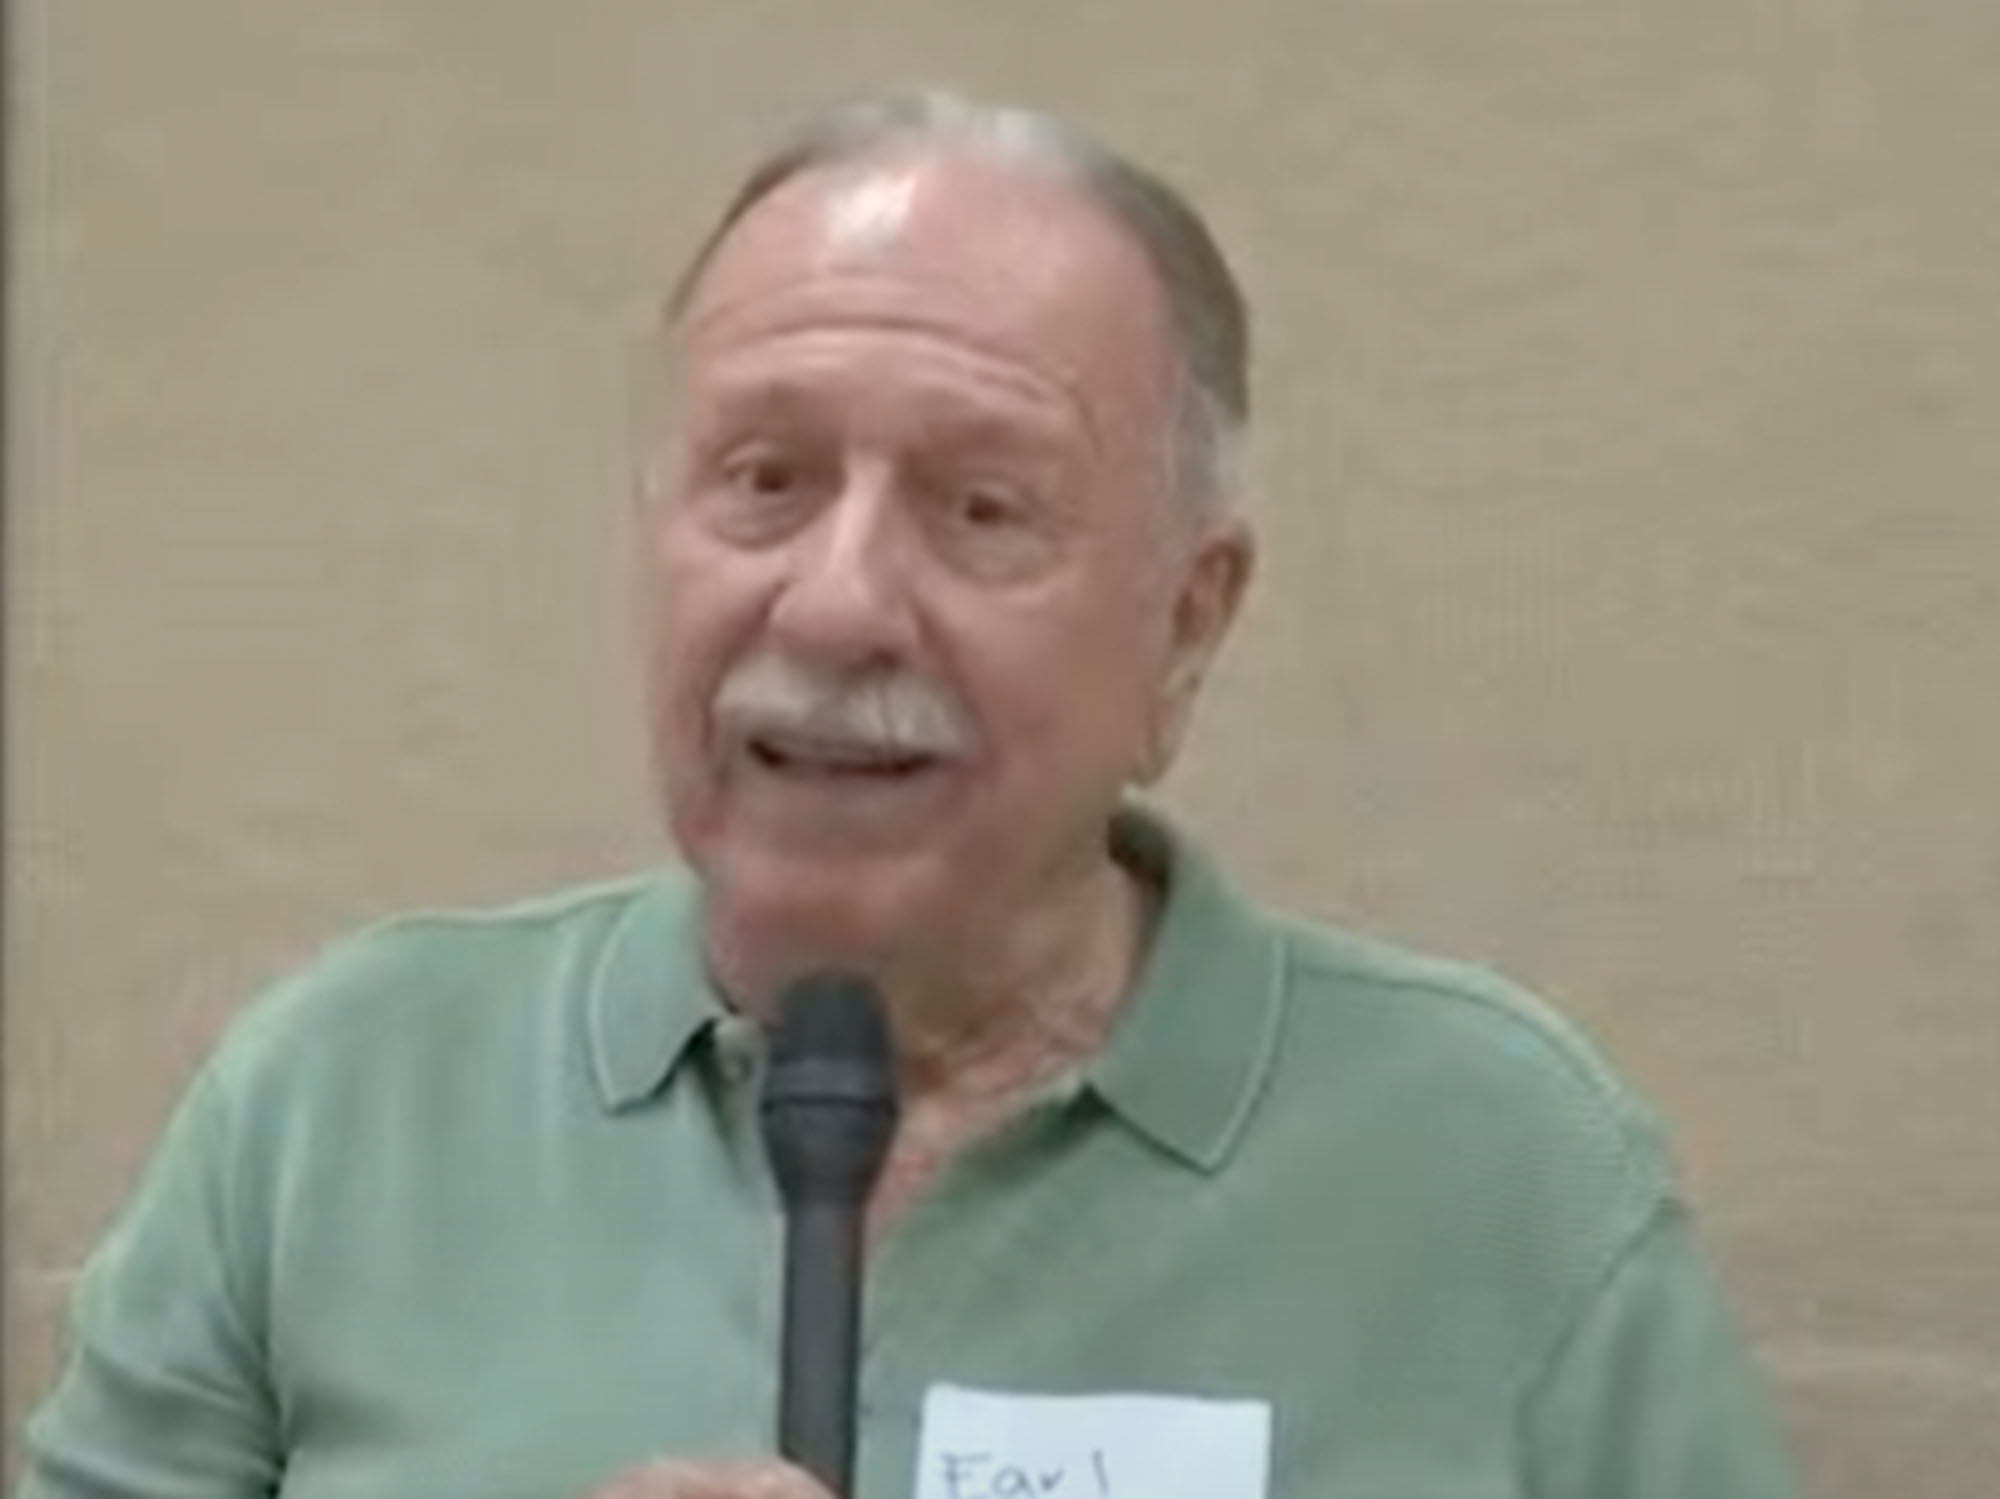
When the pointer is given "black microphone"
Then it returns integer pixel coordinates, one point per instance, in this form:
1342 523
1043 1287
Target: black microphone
829 1111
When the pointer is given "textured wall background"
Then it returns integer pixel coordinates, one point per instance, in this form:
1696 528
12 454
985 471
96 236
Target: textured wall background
1631 616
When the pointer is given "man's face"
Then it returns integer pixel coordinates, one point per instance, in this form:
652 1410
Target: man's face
919 583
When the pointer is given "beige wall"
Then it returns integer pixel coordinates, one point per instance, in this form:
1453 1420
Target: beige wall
1631 615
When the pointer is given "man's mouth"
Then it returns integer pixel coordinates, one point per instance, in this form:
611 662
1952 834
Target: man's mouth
805 756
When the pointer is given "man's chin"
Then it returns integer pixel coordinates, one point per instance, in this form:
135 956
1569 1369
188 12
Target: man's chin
770 916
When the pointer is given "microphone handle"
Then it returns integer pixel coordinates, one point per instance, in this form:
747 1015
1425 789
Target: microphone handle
821 1344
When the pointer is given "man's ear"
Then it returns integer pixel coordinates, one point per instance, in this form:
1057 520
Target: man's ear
1206 604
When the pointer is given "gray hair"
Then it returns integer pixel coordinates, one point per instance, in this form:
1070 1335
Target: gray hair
1210 318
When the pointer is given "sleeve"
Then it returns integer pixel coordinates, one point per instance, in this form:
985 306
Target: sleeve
1650 1395
165 1395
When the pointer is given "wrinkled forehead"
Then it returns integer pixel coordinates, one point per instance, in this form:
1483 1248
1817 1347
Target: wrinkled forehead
1007 256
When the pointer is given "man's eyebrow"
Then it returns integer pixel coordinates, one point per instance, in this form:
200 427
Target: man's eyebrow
985 432
729 398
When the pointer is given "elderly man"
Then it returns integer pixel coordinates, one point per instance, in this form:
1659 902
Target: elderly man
1185 1198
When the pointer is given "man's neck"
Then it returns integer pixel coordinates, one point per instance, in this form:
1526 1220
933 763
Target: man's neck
979 1022
970 1053
1036 997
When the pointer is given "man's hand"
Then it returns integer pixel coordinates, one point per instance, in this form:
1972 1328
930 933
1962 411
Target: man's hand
673 1479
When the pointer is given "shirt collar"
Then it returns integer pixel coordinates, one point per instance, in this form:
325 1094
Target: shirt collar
1194 1046
650 997
1186 1062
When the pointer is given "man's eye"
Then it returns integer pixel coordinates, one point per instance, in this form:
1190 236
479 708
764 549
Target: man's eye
759 493
987 509
995 532
767 475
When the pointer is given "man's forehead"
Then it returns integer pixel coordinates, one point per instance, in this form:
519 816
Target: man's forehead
865 216
1010 256
1014 230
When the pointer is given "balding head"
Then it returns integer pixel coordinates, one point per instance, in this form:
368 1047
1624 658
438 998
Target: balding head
1206 310
983 261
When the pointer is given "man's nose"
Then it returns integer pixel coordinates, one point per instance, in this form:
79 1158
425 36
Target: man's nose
844 599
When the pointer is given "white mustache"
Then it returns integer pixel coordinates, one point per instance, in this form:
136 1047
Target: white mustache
891 710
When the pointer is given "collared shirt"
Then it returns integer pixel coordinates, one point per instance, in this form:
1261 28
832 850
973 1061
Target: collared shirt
476 1208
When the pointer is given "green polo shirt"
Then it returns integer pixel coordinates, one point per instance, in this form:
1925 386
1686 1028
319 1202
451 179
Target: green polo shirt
476 1208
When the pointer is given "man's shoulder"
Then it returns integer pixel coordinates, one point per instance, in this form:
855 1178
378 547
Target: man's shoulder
1465 1057
1455 1006
460 976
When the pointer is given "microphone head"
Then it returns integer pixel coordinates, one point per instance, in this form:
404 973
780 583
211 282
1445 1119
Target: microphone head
829 1101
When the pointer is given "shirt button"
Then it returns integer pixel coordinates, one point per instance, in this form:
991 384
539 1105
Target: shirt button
738 1045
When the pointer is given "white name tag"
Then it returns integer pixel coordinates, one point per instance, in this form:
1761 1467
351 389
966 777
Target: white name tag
981 1445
